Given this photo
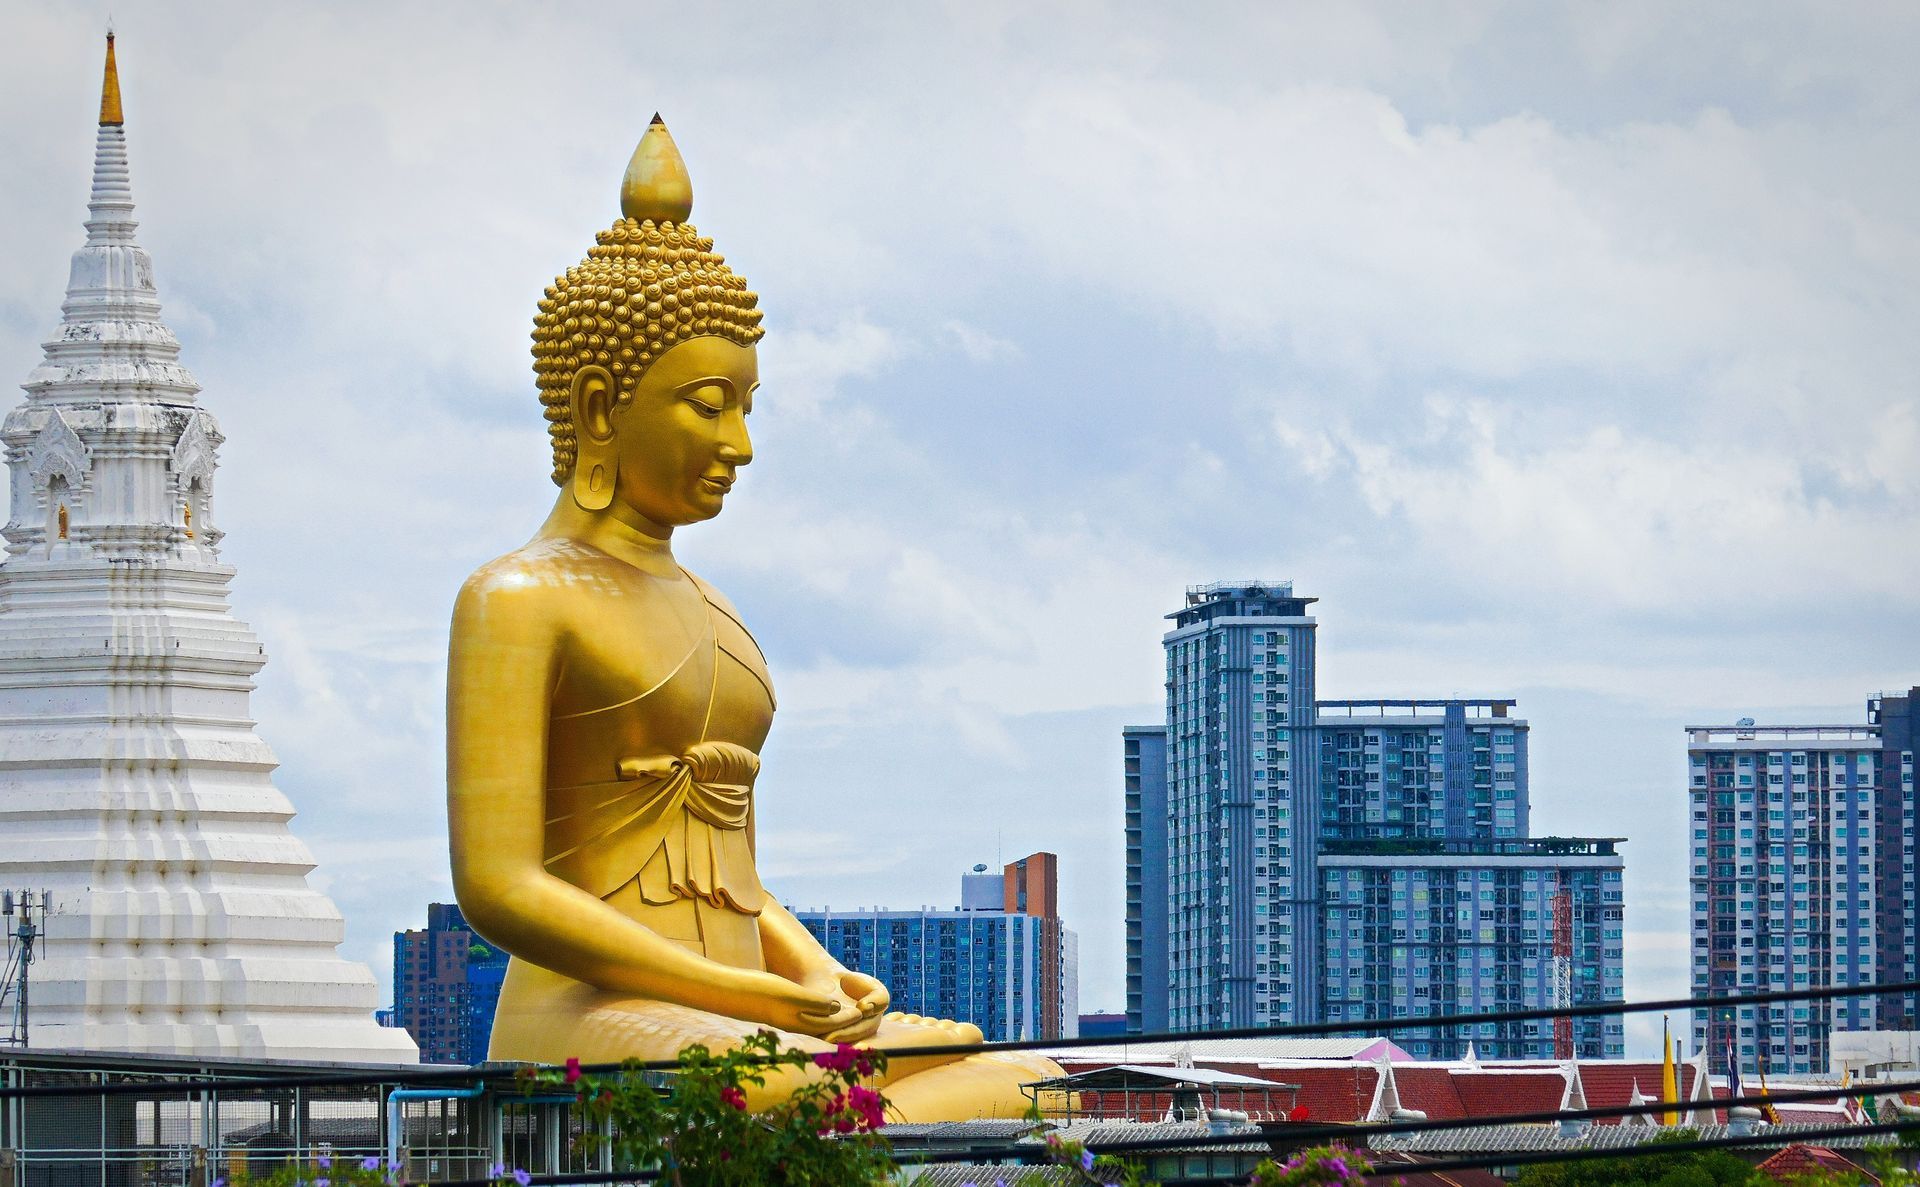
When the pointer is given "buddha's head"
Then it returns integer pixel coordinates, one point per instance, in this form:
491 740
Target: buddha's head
644 353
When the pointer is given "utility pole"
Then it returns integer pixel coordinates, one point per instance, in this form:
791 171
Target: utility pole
25 912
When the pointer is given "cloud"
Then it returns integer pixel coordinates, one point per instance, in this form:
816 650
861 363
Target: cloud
980 346
1608 513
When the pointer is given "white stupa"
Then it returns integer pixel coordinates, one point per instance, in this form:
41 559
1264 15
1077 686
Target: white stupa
132 785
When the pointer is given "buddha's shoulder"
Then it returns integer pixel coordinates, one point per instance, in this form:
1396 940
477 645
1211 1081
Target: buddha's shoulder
551 573
717 599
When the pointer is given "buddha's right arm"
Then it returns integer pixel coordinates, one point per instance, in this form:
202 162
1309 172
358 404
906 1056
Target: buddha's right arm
500 673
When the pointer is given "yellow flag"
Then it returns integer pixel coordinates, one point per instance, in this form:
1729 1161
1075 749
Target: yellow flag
1669 1077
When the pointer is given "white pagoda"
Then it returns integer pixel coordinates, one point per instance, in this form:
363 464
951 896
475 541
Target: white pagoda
132 785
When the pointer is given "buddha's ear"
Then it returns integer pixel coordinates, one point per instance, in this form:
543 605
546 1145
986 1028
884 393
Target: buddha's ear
595 459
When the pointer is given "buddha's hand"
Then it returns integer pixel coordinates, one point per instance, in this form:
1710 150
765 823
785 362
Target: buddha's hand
864 994
774 1000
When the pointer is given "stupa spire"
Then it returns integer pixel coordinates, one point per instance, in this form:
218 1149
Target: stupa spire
110 89
111 345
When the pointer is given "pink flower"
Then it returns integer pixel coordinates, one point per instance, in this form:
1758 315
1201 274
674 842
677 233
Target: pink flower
573 1068
868 1105
734 1097
845 1058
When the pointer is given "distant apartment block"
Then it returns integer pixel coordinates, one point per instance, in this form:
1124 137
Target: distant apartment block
1440 768
1249 815
1002 960
1423 927
1145 763
1802 878
1897 717
446 984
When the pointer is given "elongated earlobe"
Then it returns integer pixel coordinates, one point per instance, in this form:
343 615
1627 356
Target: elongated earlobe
597 462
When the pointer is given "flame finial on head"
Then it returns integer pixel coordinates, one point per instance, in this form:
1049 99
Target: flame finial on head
650 282
656 186
110 116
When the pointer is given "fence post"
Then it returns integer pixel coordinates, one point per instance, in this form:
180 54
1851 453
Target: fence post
197 1169
9 1168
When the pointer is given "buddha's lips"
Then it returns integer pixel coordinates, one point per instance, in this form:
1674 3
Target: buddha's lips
717 484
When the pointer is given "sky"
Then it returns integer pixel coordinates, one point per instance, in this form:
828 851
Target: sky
1563 352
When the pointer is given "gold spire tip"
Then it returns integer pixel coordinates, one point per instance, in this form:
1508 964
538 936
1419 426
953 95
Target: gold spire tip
110 116
656 185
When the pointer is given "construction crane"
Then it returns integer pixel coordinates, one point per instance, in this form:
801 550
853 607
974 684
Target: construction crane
1563 969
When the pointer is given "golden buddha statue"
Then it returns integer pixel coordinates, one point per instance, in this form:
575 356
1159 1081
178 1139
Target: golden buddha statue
605 707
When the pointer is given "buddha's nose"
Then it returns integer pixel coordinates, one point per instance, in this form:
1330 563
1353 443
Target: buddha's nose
736 448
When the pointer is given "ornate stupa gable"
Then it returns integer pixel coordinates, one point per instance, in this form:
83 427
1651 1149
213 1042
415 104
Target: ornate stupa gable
132 785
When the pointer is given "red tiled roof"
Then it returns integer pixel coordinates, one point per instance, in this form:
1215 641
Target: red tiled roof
1610 1085
1508 1093
1337 1092
1429 1089
1798 1160
1790 1114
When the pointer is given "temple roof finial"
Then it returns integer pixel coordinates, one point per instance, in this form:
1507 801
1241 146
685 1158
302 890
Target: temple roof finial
110 116
656 185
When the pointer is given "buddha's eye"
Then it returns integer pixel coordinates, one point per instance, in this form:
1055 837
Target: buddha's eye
703 408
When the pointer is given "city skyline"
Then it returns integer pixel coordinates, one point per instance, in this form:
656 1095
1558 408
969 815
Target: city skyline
1442 362
1298 860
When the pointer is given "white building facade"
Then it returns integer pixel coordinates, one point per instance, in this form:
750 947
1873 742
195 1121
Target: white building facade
132 785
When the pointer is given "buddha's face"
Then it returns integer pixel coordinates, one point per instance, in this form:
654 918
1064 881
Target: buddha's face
681 440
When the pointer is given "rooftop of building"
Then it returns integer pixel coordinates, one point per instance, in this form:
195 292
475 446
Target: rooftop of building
1250 587
1429 711
1745 735
1523 847
1252 598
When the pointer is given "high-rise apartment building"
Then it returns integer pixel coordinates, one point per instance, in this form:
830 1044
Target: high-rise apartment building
1255 803
446 984
1002 960
1427 927
1897 717
1242 795
1802 878
1145 764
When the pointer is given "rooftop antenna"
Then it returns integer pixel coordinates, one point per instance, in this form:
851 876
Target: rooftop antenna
25 913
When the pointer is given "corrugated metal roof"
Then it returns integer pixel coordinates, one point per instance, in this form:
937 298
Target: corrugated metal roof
1507 1139
967 1174
1098 1133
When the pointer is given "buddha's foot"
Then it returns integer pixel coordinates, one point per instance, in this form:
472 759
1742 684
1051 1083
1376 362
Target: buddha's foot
905 1031
987 1086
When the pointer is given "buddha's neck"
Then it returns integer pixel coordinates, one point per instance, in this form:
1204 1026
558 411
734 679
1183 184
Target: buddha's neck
645 545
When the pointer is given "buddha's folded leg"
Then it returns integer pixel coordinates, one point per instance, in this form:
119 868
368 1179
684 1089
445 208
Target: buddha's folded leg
987 1085
544 1017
